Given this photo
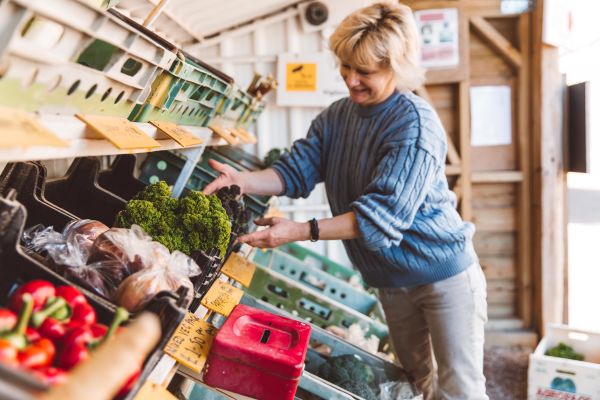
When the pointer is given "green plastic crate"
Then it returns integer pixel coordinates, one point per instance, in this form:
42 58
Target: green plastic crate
188 93
287 294
317 279
57 58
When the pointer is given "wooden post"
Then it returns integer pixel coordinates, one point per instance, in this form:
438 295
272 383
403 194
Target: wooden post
466 208
548 180
524 299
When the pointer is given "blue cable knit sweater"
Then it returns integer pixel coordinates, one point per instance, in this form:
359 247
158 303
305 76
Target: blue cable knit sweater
386 163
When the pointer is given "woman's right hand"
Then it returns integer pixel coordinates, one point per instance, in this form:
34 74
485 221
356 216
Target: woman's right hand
228 176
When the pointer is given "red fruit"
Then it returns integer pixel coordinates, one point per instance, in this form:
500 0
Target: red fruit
8 353
51 376
32 334
71 355
71 294
53 330
40 291
40 354
84 313
8 319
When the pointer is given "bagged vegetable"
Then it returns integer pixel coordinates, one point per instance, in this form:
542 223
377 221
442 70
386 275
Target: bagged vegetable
130 250
135 291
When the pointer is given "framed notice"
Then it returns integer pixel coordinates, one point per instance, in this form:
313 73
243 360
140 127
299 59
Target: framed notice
438 29
310 79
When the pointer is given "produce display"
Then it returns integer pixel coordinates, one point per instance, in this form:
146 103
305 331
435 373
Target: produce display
194 222
48 330
563 350
239 215
124 265
351 373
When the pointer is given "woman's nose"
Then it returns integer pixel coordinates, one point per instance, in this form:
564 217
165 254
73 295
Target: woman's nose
352 79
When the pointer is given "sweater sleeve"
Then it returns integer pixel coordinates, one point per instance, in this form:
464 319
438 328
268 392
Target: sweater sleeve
300 169
390 202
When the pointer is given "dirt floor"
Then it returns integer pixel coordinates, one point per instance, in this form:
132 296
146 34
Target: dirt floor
505 369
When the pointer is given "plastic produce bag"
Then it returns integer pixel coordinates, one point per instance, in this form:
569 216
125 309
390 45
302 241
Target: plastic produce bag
397 391
135 291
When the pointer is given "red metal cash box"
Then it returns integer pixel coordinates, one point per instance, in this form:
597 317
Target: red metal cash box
258 354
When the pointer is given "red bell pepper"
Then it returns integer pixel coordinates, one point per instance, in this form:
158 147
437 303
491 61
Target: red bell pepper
17 336
51 376
38 355
84 313
8 353
80 340
71 294
8 319
40 290
32 334
53 330
53 305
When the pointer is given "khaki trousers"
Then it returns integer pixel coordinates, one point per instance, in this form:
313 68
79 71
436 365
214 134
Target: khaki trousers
441 322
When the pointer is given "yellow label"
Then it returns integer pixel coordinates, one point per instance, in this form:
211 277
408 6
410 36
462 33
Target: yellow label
177 133
122 133
301 77
20 129
191 342
239 268
244 135
224 133
222 298
153 391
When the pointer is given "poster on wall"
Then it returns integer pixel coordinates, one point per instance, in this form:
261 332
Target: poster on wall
438 29
310 79
491 116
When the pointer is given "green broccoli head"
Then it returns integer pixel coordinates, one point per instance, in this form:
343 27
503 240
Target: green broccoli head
359 388
194 222
205 221
356 369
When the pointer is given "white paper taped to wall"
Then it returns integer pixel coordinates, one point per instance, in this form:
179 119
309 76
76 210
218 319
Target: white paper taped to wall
491 116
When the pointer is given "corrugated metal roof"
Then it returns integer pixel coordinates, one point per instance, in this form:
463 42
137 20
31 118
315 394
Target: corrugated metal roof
189 21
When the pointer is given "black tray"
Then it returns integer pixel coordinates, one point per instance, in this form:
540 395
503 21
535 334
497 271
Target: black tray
17 267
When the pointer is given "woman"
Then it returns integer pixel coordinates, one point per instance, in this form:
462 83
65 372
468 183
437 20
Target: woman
381 153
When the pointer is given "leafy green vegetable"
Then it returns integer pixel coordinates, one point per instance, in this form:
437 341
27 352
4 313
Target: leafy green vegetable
349 372
273 155
564 351
194 222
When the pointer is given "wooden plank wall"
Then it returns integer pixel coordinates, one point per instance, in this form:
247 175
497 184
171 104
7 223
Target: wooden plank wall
493 184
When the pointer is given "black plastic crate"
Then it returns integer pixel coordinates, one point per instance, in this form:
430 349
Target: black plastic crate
119 179
17 267
78 191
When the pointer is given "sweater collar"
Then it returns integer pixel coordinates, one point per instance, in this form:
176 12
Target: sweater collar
370 110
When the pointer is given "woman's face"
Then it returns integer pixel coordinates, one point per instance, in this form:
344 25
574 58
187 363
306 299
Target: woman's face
368 86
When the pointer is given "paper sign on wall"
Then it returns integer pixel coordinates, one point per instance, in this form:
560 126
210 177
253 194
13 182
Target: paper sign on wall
301 77
309 79
439 37
491 117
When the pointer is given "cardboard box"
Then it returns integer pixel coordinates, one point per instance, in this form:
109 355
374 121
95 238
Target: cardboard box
564 379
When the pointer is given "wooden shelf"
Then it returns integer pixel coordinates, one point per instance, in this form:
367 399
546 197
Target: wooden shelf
497 177
453 169
75 133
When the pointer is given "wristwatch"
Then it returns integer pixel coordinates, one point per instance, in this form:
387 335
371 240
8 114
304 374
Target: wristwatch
314 230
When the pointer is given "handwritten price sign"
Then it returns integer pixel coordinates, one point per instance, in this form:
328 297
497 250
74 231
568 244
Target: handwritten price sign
240 269
222 298
191 342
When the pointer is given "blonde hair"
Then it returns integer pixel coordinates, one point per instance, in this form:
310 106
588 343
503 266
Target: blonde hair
383 34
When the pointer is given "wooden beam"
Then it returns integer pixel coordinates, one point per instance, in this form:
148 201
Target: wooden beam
464 124
498 42
525 265
497 176
452 155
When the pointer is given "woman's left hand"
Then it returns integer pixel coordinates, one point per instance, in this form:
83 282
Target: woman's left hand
280 231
